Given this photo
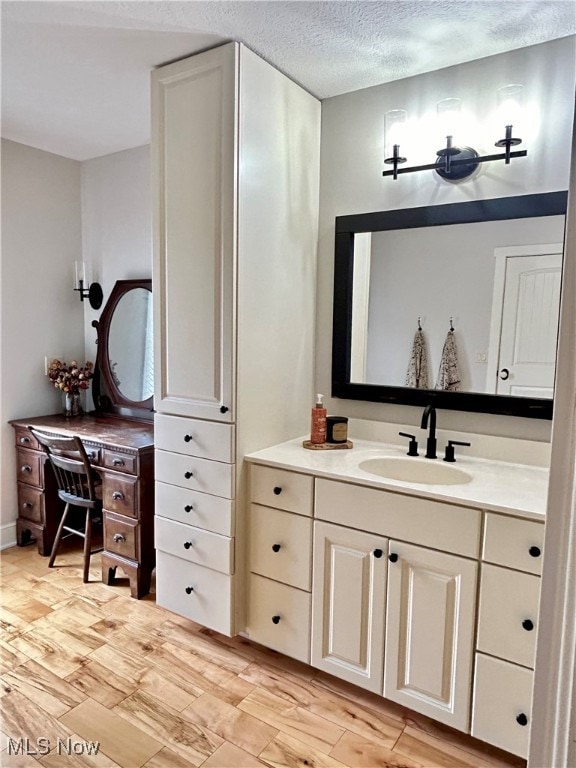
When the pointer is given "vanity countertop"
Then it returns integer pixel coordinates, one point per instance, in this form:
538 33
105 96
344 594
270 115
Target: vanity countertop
500 486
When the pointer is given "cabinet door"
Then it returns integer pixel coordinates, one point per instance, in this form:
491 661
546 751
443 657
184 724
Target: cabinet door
430 632
193 158
348 593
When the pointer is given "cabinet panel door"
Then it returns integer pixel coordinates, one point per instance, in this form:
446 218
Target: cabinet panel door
430 633
193 108
348 594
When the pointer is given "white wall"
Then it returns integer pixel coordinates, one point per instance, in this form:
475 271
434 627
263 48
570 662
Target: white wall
351 180
39 312
116 223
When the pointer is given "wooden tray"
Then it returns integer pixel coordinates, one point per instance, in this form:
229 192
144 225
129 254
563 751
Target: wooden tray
327 446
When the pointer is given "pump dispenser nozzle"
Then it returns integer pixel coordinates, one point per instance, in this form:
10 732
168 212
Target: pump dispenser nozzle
319 399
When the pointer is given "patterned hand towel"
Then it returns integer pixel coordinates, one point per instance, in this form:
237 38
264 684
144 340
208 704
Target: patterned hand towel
417 374
449 375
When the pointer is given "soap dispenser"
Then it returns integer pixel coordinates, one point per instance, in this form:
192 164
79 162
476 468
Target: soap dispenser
318 425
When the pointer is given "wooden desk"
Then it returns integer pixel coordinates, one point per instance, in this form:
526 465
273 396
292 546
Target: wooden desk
122 452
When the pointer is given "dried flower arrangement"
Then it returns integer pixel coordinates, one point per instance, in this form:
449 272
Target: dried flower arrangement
70 377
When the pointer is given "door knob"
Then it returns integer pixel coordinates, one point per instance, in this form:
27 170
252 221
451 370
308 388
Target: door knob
393 557
522 719
275 547
528 625
378 553
504 374
275 619
534 552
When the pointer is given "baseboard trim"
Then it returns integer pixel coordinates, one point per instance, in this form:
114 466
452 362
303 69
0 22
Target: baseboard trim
7 535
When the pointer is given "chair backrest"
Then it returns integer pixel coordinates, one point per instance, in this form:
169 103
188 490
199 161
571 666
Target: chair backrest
75 477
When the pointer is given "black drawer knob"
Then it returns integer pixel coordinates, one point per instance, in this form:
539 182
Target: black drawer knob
528 625
393 557
188 508
188 475
187 544
522 719
224 409
187 438
275 619
277 490
276 547
189 590
117 496
378 553
534 551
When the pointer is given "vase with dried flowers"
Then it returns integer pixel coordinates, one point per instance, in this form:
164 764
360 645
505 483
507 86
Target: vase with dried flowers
71 378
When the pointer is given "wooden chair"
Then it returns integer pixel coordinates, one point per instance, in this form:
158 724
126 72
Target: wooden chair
77 487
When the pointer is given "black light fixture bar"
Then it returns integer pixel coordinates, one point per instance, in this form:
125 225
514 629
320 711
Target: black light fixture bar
453 162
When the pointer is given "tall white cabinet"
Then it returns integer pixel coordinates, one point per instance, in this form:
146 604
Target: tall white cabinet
235 153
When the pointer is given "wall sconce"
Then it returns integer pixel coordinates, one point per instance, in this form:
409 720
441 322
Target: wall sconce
93 293
455 162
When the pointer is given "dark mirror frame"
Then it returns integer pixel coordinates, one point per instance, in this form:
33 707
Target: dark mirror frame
107 397
520 207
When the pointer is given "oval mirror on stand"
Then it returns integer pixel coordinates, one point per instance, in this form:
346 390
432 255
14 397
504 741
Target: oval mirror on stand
124 376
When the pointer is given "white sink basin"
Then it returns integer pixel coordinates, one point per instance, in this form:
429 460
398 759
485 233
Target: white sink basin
412 470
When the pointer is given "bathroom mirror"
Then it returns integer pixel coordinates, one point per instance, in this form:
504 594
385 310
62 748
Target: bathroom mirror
488 269
124 375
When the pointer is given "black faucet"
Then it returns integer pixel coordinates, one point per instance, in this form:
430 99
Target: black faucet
430 411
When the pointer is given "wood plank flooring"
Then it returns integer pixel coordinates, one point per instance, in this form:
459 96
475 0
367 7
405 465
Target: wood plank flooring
85 664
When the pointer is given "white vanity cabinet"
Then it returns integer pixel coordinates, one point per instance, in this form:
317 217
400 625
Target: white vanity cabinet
235 157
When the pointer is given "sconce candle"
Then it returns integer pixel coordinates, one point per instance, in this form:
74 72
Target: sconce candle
93 293
394 125
509 114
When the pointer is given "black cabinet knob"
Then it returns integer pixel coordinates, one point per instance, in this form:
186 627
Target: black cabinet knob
276 547
188 475
534 551
188 508
378 553
275 619
187 438
187 544
277 490
189 590
528 625
224 409
393 557
522 719
504 374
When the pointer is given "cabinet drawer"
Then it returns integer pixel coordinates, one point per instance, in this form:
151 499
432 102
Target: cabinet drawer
28 466
194 544
514 543
200 594
508 614
420 521
196 474
502 702
279 488
279 617
30 503
122 462
205 439
203 510
25 439
281 545
121 536
120 494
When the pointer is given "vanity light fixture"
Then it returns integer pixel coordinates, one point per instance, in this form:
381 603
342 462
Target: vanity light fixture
93 293
455 162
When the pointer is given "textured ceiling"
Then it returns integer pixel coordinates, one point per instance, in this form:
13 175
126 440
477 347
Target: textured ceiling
75 75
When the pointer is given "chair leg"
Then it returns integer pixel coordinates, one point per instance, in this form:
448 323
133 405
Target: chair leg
87 546
58 536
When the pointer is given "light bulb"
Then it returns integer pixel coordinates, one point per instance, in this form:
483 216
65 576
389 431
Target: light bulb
449 118
510 99
394 130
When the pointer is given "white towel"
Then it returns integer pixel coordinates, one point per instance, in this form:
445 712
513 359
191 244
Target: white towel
449 375
417 374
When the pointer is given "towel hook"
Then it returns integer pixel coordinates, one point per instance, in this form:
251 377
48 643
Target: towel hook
451 325
419 324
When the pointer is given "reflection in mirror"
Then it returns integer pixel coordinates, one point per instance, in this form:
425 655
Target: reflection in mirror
130 345
488 269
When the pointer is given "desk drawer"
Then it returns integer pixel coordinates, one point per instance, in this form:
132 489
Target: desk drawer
213 513
514 543
121 536
120 494
194 544
121 462
30 503
193 437
28 465
25 439
196 474
281 489
281 546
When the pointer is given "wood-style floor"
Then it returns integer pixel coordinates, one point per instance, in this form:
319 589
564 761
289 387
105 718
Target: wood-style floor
85 663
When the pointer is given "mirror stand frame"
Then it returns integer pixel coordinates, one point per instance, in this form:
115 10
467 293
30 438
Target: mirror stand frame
519 207
107 397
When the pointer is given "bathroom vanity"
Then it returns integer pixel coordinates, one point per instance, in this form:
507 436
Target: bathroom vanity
424 592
